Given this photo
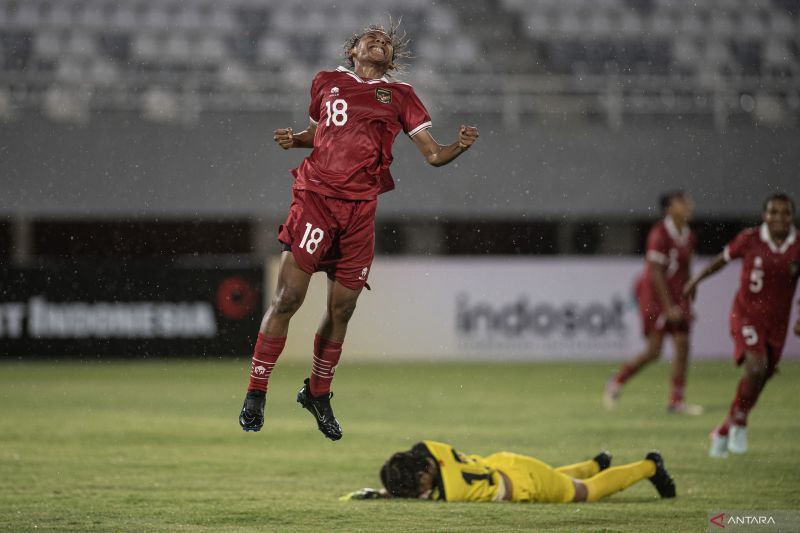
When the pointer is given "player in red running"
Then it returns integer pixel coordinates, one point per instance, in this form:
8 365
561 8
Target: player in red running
759 318
355 115
662 306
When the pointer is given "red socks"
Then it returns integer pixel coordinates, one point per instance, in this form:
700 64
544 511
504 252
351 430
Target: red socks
267 350
746 396
265 355
676 391
326 356
625 372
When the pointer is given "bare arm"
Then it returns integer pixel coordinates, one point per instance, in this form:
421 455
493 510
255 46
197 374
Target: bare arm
440 154
286 138
714 266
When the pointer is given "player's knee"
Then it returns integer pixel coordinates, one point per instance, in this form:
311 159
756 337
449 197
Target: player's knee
757 373
757 370
287 302
343 311
581 491
652 355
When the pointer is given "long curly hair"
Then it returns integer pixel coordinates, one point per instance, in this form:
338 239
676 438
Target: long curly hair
399 42
399 474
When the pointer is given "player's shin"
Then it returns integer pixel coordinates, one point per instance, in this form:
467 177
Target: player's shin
265 355
617 478
677 387
582 470
747 394
326 357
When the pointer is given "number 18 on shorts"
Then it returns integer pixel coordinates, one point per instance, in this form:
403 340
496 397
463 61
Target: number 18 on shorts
331 235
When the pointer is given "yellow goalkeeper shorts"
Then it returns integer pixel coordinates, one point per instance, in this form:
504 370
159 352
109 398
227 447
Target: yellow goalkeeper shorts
532 480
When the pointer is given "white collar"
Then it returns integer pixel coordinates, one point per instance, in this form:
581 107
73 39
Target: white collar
679 237
774 248
382 79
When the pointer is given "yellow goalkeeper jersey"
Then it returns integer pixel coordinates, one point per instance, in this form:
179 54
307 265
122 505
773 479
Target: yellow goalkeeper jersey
462 478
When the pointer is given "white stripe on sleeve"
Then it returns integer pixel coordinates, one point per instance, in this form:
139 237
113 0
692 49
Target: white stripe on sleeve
657 257
423 126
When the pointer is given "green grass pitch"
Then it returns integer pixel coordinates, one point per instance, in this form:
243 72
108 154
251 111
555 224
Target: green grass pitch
155 445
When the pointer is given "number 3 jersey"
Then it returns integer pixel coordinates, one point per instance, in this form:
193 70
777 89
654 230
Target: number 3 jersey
769 275
357 122
673 250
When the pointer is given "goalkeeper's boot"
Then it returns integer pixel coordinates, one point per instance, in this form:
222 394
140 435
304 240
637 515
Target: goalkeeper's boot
252 416
603 460
320 407
663 482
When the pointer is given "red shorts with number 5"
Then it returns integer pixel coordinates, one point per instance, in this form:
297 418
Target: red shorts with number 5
331 235
758 335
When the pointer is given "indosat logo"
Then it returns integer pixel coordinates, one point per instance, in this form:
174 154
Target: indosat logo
522 318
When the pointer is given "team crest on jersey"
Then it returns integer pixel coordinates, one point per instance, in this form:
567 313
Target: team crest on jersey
384 96
334 91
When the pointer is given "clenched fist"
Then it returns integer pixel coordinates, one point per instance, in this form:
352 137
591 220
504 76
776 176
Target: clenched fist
284 137
467 135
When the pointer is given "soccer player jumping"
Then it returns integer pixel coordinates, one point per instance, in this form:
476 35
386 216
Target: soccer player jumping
355 115
662 306
759 317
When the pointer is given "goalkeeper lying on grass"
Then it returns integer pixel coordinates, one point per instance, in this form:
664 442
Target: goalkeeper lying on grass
435 471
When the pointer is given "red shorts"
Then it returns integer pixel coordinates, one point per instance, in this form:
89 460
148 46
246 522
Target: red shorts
331 235
654 319
758 334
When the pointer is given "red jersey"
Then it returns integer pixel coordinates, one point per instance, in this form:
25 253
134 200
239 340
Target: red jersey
357 122
769 274
672 249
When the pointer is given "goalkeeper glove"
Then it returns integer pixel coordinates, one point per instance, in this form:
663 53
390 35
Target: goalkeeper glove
362 494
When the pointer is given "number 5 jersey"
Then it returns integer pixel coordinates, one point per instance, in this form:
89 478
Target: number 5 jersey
763 303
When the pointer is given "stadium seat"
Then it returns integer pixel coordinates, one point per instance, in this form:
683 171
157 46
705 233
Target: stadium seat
26 16
80 44
47 45
123 17
777 58
91 16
